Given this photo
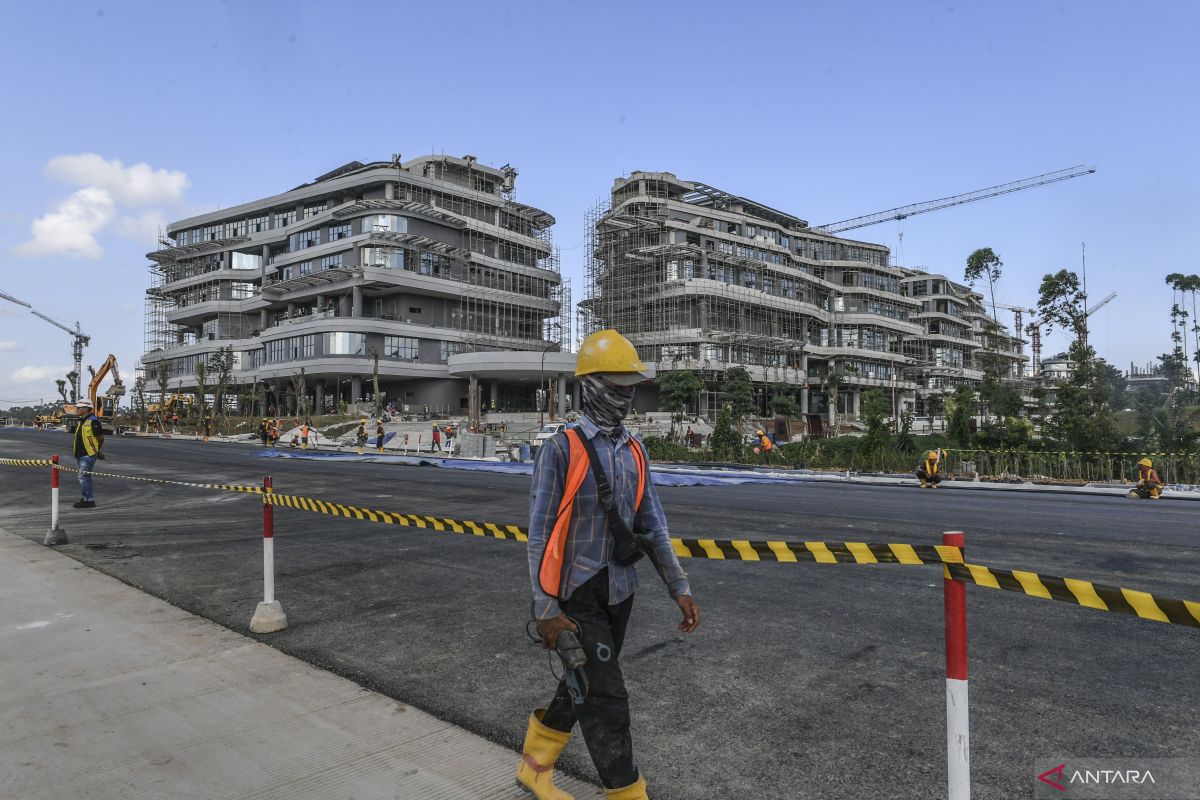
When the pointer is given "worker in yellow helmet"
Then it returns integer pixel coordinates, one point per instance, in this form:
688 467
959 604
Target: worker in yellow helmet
361 436
765 445
1149 485
929 470
593 513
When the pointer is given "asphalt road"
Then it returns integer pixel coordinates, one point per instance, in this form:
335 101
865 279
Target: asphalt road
803 681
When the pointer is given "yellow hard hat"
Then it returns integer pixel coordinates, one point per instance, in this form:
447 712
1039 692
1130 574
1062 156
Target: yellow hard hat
759 432
932 454
1145 462
610 353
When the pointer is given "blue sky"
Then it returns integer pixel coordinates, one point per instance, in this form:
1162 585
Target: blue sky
825 110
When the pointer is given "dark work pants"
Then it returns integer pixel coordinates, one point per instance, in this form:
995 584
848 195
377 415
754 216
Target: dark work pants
604 714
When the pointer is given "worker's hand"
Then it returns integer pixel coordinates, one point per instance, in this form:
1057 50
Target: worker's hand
549 629
691 613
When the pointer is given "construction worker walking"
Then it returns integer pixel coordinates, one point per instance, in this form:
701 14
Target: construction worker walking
89 438
304 435
208 423
437 439
929 471
264 431
1149 485
593 512
379 436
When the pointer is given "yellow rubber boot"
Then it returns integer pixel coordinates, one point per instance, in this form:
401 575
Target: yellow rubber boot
635 791
542 747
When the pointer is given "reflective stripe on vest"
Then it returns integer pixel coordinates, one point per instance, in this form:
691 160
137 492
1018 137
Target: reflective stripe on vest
84 432
931 467
550 574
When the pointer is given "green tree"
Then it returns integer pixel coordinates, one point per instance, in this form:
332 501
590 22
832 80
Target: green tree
220 364
726 441
738 392
1082 416
675 389
984 263
783 400
1061 303
961 408
874 410
201 372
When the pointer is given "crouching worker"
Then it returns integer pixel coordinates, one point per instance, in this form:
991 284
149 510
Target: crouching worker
593 513
929 470
1149 485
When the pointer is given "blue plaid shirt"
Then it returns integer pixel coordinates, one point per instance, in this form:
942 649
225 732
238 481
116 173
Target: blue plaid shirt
589 546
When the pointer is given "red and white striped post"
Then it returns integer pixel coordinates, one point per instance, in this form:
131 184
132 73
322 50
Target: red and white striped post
958 729
269 616
56 535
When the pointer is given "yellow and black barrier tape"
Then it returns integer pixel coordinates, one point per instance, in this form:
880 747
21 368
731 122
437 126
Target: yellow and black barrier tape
1071 590
718 549
1080 592
45 462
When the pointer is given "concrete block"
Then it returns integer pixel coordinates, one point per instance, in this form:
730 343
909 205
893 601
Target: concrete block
55 537
268 618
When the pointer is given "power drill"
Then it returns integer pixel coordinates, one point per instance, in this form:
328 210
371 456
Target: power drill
570 650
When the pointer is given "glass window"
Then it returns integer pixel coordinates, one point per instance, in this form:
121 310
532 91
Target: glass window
304 268
329 262
384 223
403 347
304 239
284 218
344 344
385 257
245 261
241 291
236 228
451 348
314 209
339 232
256 224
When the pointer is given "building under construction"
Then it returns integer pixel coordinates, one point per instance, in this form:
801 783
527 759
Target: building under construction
703 280
399 266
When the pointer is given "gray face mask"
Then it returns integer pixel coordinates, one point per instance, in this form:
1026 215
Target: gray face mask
605 405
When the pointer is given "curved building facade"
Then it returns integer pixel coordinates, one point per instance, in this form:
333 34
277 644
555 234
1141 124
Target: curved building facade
403 264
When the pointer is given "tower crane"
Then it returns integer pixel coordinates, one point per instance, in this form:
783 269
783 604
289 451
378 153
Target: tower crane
81 340
903 212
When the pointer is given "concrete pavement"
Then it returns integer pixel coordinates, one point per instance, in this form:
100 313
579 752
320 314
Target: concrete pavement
106 692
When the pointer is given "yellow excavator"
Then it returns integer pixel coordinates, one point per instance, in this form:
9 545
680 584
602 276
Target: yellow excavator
161 414
104 406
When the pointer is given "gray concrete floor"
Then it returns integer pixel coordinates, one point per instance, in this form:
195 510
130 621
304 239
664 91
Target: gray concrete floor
803 681
107 692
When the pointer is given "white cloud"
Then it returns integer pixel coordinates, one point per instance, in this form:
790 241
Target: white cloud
136 185
108 188
10 346
39 374
71 228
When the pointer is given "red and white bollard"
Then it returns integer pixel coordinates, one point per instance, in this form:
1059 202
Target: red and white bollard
56 535
958 729
269 616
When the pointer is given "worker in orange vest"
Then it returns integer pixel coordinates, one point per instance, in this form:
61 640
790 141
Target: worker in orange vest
304 435
765 445
593 513
1149 485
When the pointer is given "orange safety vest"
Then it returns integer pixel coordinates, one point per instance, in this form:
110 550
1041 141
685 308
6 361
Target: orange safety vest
550 574
766 443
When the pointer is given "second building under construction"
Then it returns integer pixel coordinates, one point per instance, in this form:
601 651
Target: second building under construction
703 280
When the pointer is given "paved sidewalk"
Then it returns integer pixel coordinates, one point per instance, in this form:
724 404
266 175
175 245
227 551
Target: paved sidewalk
106 692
